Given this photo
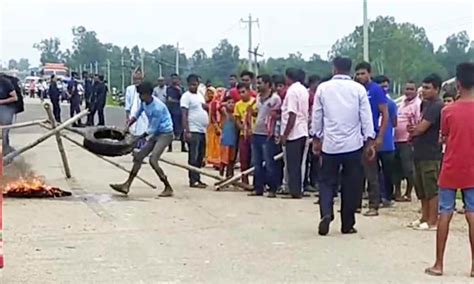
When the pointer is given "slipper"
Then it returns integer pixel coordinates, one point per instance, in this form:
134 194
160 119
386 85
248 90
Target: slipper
403 199
425 227
433 272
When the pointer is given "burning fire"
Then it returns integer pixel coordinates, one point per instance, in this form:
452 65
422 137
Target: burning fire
32 187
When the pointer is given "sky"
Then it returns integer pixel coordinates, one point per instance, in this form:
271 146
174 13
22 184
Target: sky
283 26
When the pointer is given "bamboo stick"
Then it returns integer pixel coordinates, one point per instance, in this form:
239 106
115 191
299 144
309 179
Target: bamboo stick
59 142
23 124
223 183
100 157
9 158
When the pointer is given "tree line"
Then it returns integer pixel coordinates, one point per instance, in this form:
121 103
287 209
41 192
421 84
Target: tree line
401 51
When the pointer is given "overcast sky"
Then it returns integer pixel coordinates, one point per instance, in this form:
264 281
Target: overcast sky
284 26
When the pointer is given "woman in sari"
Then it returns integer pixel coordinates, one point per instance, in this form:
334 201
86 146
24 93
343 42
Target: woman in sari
213 98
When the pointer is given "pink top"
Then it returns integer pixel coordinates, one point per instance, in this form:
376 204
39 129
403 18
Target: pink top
409 112
296 101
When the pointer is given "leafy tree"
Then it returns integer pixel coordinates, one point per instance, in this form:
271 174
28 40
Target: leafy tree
50 52
455 50
12 64
23 64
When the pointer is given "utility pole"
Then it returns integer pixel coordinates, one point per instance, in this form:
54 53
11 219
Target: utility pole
96 67
177 58
366 33
90 67
160 72
142 60
123 74
80 71
250 22
255 53
108 74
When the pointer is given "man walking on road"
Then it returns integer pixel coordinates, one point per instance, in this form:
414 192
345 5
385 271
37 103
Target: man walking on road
132 103
342 124
8 98
378 105
98 101
74 97
158 136
173 97
55 97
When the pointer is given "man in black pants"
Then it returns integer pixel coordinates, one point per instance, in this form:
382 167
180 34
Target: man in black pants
87 89
342 117
98 101
74 97
55 97
294 126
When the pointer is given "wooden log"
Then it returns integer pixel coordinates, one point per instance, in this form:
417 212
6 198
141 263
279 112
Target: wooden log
9 158
235 178
59 142
100 157
23 124
203 172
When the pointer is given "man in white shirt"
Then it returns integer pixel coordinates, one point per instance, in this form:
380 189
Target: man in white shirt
159 91
132 105
294 128
342 115
195 122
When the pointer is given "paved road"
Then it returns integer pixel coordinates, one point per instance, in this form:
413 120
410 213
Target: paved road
34 110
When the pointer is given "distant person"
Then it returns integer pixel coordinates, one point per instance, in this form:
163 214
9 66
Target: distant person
232 91
55 97
195 122
247 78
8 98
173 97
32 88
427 153
132 104
74 98
99 100
159 91
457 171
87 89
228 138
158 136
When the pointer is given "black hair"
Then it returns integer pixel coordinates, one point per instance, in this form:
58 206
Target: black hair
265 79
233 76
465 75
295 74
449 95
411 82
313 79
247 73
381 79
174 75
241 86
192 78
433 79
74 74
342 64
84 73
364 66
278 79
325 79
301 76
227 98
52 76
145 88
101 77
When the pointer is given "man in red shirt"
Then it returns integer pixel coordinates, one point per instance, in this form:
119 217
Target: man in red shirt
457 171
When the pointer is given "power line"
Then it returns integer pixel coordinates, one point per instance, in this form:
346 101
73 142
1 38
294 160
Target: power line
249 23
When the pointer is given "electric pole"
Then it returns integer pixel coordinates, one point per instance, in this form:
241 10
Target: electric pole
160 72
96 67
250 22
255 61
366 33
142 60
108 74
90 68
123 75
177 58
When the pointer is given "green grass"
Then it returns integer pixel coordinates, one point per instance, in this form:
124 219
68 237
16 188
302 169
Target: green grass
111 102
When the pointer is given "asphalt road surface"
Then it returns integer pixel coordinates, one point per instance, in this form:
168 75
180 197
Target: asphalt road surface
34 110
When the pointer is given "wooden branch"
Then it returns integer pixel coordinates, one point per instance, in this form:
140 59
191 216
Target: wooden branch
100 157
9 158
59 142
23 124
223 183
203 172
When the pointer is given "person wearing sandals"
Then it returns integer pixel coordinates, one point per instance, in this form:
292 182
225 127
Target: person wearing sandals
409 112
458 164
427 153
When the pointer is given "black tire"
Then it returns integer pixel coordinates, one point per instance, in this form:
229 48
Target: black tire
108 141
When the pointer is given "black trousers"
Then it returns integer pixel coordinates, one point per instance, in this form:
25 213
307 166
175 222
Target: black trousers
196 154
75 106
312 168
294 158
386 161
56 109
97 107
351 179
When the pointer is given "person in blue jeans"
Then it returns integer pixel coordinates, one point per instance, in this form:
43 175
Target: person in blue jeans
264 147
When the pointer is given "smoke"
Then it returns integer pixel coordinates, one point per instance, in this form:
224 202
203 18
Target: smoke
19 168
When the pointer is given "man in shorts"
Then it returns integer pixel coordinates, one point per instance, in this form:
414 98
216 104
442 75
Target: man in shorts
427 153
458 164
159 136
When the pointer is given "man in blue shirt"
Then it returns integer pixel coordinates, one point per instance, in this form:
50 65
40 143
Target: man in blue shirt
386 154
159 137
74 97
378 105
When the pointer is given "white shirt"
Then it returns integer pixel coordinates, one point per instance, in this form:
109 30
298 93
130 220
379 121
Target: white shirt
198 119
132 105
296 101
160 93
342 115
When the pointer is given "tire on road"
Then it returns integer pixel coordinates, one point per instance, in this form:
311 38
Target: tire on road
108 141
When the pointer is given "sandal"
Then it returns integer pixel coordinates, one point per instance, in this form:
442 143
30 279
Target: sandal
425 227
403 198
433 272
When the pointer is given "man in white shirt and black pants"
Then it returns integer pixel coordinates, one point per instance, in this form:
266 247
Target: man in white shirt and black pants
341 124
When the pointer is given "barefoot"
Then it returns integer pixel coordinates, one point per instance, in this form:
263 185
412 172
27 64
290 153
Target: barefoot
434 271
122 188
